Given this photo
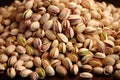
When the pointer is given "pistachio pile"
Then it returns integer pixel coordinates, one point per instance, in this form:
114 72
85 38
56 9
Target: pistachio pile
40 38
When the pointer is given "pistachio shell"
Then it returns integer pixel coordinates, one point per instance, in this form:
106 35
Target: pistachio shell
49 70
62 37
61 70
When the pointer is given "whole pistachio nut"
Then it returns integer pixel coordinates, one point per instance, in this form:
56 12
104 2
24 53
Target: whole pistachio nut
69 32
3 58
62 47
100 55
95 62
19 68
74 70
64 14
45 63
18 63
108 61
61 70
117 74
41 72
47 25
80 37
83 51
34 76
86 75
72 5
50 35
37 43
86 58
53 10
27 14
34 26
80 27
98 70
25 72
44 18
21 49
10 48
55 43
24 57
45 47
37 61
65 24
55 63
28 64
11 72
49 70
29 4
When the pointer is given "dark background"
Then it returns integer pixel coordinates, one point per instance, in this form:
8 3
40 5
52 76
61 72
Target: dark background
68 77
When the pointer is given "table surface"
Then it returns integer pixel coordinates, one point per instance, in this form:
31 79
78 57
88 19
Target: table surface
68 77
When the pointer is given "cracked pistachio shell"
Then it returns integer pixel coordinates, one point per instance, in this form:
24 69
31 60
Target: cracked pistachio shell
55 63
86 58
65 24
41 72
45 63
80 27
45 47
37 43
74 69
67 63
34 76
62 47
90 30
54 52
49 70
69 32
62 37
69 46
50 35
64 14
11 72
27 14
83 51
29 50
73 57
12 60
61 70
57 26
108 70
21 41
25 72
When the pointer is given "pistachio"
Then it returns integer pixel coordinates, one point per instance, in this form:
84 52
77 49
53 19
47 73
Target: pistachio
20 49
54 52
74 69
80 37
11 72
95 62
86 75
65 24
87 68
62 37
34 26
2 68
114 56
24 57
12 60
108 70
80 27
50 35
37 43
86 58
45 47
55 43
61 70
117 66
27 14
73 57
2 42
57 26
10 48
108 61
25 72
90 30
45 63
55 63
67 63
29 50
117 74
28 64
47 25
21 41
69 46
41 72
53 10
34 76
100 55
62 47
72 5
44 18
61 56
18 63
19 68
49 70
14 32
3 58
29 4
37 61
83 51
64 14
98 70
69 32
